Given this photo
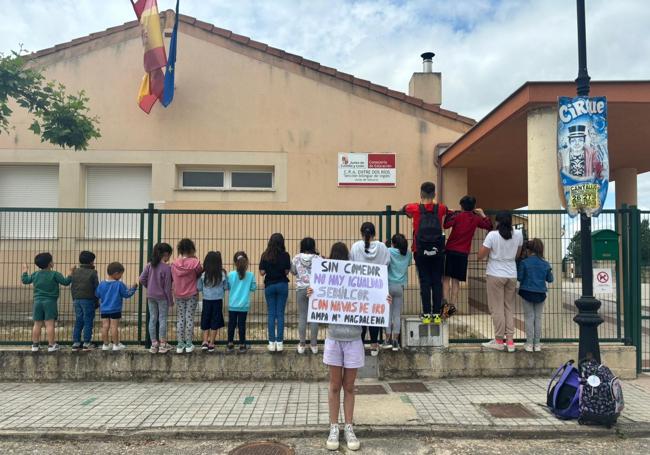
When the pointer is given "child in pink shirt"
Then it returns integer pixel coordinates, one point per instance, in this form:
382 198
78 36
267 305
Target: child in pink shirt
185 271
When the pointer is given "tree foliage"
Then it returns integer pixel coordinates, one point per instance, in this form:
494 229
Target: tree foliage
574 249
59 118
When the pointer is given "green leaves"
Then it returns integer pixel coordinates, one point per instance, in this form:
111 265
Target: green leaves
60 119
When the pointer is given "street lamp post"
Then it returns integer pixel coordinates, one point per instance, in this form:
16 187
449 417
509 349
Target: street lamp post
587 318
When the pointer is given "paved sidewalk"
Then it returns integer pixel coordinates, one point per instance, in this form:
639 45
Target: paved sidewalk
283 406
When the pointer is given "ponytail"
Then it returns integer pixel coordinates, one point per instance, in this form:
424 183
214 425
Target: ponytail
241 264
159 250
368 232
504 225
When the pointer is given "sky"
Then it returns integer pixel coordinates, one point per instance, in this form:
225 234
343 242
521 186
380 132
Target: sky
485 49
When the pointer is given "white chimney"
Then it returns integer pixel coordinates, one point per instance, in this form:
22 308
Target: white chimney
427 85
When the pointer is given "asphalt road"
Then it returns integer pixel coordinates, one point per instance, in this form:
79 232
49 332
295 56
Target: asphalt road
315 446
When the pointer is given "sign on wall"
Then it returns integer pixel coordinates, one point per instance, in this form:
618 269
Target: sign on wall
583 159
350 293
367 169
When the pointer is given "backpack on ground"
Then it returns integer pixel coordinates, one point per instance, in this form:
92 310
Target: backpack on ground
563 392
601 395
430 240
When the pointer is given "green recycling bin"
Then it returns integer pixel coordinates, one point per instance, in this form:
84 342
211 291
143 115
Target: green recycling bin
604 245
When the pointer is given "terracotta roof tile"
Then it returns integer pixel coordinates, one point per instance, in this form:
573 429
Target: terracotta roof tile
246 41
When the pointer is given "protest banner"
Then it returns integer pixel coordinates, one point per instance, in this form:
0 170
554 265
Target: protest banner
351 293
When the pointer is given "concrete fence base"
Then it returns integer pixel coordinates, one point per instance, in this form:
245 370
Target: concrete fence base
137 364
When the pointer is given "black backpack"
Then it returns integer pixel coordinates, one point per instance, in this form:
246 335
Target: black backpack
430 240
601 395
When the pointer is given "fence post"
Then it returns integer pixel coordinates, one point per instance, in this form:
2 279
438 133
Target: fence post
628 306
140 267
150 235
635 283
389 222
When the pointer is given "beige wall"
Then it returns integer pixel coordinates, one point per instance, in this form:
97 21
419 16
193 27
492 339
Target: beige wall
234 106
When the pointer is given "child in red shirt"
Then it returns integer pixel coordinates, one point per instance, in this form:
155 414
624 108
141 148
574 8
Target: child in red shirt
463 224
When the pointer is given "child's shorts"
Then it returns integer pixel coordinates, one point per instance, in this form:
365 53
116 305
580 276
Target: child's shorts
456 265
116 315
346 354
212 315
45 310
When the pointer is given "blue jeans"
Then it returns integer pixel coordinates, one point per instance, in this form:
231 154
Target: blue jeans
276 299
84 310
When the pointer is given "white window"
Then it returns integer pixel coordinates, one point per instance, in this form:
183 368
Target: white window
226 179
28 187
116 187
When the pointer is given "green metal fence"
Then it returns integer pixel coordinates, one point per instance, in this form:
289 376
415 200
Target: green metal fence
128 236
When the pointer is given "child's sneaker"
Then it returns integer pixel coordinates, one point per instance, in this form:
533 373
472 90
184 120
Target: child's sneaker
271 346
425 318
87 347
107 347
374 350
210 347
537 347
395 346
204 347
180 347
154 347
242 349
333 438
189 347
437 320
314 348
230 348
528 347
53 348
494 344
386 344
119 347
76 347
350 437
279 346
164 348
35 347
511 346
301 348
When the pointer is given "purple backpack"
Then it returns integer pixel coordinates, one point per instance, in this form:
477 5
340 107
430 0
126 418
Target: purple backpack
563 392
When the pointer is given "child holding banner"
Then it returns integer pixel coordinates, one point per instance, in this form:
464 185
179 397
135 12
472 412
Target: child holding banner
374 252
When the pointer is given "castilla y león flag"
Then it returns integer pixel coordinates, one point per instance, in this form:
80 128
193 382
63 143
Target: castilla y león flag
155 59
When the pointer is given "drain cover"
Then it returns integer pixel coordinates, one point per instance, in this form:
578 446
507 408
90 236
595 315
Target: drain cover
407 387
508 411
263 448
370 390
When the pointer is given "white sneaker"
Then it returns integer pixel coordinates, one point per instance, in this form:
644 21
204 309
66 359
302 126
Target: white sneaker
374 350
492 344
107 347
537 347
511 347
118 347
528 347
333 438
271 346
189 347
301 349
314 348
53 348
180 347
279 346
351 438
35 347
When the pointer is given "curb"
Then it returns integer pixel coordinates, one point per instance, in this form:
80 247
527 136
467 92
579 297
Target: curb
626 430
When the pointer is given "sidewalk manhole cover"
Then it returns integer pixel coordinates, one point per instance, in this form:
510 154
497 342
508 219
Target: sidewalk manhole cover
407 387
370 390
508 411
263 448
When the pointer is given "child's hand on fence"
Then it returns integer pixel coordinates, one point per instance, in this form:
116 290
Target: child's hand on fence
135 286
310 292
72 269
480 213
25 268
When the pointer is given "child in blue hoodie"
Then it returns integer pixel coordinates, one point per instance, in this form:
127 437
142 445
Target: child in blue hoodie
110 294
241 283
533 272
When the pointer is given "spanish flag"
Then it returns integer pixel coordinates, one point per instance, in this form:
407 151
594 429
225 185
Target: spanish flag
153 82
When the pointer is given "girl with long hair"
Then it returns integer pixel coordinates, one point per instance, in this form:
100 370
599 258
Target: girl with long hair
157 278
213 284
275 265
241 283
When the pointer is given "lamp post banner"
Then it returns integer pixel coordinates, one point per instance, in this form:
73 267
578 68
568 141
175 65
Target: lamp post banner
583 159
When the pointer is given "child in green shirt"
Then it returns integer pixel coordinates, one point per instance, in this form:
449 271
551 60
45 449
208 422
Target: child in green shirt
46 295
